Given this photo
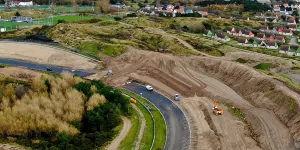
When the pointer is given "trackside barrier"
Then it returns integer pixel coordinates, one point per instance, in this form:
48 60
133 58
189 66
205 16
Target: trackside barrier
154 131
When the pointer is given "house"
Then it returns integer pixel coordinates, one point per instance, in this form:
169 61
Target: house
271 45
203 13
276 8
235 32
282 9
222 37
208 33
179 9
25 3
170 8
287 32
272 37
280 39
298 29
189 11
263 44
279 30
284 49
264 28
274 20
286 5
261 36
298 52
246 33
291 21
243 41
292 27
256 43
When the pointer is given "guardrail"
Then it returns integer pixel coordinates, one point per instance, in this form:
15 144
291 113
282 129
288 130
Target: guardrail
154 131
57 46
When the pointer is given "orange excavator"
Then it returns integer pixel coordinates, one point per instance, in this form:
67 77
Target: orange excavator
216 110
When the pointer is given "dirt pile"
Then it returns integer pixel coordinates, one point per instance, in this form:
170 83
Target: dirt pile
216 78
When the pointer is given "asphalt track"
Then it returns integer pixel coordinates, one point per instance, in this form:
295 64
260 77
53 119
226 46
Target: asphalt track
42 67
178 132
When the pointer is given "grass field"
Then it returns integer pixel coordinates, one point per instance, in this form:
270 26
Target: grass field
160 125
70 18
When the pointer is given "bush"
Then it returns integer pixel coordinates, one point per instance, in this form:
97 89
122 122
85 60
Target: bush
132 15
118 18
61 21
241 60
263 66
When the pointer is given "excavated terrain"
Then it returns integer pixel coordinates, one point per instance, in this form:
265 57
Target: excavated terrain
270 108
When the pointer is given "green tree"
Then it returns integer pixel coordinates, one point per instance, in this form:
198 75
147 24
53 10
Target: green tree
17 14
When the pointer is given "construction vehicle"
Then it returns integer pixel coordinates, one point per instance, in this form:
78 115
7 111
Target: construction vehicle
216 110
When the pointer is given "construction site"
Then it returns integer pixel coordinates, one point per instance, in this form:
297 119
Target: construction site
253 110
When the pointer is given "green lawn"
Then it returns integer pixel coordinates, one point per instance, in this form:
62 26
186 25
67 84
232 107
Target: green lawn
13 25
263 66
160 125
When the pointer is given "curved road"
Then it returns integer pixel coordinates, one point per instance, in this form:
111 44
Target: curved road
42 67
178 132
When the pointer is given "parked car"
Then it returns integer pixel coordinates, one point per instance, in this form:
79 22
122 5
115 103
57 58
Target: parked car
149 88
49 69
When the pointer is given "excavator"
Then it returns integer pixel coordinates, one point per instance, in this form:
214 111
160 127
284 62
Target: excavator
216 110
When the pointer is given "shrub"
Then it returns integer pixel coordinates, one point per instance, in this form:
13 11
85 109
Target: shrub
61 21
118 18
263 66
131 15
241 60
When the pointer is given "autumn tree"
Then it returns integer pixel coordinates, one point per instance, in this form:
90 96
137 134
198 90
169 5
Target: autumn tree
103 6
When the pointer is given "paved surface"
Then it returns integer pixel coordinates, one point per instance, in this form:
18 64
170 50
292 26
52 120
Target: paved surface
294 42
116 142
43 67
178 132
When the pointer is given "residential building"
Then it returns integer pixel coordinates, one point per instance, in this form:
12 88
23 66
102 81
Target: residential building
203 13
276 8
246 18
263 20
246 33
291 21
284 49
271 45
179 9
222 37
287 32
259 15
208 33
261 36
280 39
292 27
243 41
272 37
256 43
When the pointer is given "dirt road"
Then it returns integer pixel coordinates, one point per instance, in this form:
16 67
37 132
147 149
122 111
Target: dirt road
142 129
44 55
9 147
116 142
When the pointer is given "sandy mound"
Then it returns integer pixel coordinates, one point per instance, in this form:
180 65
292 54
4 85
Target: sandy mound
44 55
9 147
216 78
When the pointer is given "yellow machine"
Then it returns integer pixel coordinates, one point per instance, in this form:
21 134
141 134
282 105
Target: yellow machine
216 110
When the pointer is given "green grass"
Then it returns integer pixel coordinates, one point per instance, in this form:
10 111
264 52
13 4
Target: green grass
73 18
129 142
13 25
263 66
241 60
235 112
160 137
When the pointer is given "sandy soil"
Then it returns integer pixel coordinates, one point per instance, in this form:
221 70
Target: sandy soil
142 129
116 142
217 132
216 79
44 55
9 147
